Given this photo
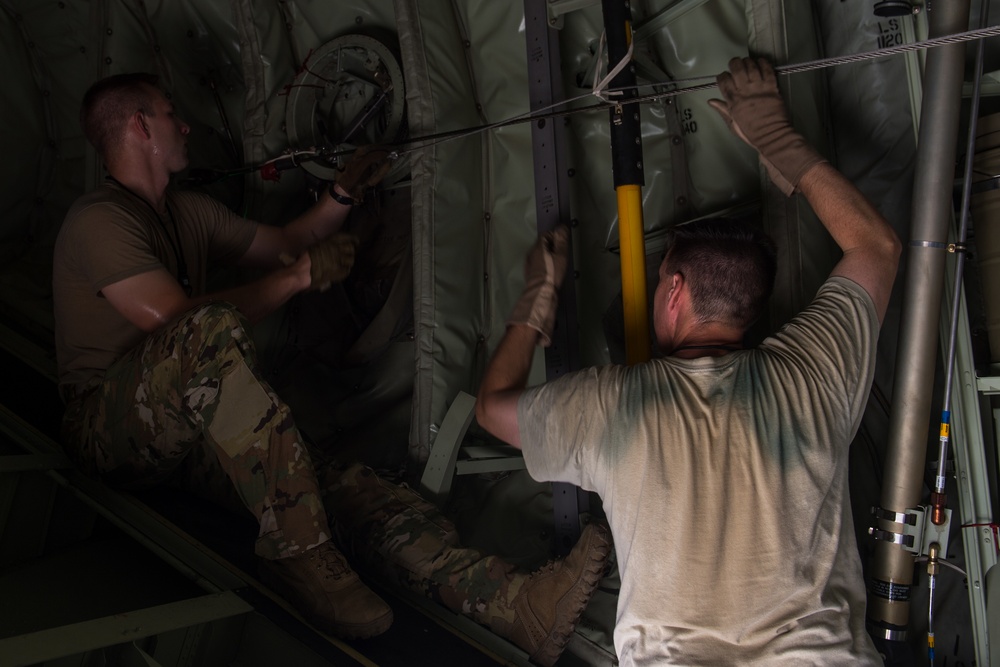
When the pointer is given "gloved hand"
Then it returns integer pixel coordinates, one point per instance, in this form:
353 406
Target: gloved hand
544 269
331 260
365 168
755 112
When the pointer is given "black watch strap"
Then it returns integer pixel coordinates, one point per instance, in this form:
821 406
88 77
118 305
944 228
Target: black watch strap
339 198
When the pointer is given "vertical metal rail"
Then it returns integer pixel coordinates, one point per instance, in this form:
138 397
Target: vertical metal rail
963 416
938 497
972 483
548 142
892 571
626 160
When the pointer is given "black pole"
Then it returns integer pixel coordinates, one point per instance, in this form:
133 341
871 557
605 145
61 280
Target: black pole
626 141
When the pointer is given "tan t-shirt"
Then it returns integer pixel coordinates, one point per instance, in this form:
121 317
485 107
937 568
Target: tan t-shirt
725 483
109 235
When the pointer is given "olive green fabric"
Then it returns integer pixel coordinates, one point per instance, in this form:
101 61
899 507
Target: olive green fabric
111 234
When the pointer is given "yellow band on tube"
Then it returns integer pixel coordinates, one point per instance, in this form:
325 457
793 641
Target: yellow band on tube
633 266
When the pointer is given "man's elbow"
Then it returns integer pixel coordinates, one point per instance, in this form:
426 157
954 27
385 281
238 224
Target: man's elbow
152 318
892 248
152 322
498 416
483 412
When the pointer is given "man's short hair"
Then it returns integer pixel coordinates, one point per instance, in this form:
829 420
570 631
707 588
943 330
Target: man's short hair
728 265
109 103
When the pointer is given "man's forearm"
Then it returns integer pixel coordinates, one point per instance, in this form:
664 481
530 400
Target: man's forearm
846 213
871 247
258 299
505 378
323 219
272 245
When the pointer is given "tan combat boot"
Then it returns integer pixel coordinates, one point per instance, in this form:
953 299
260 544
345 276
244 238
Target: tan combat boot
548 603
328 593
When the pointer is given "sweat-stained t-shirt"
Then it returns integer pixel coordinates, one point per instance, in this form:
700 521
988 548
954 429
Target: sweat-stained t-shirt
725 483
109 235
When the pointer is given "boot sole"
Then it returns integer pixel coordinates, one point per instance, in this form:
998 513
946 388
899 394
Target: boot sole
365 630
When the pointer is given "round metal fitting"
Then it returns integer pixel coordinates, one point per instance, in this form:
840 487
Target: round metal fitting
893 8
348 93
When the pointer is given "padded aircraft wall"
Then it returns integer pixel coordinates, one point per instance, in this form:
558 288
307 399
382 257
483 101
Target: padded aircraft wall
469 210
229 67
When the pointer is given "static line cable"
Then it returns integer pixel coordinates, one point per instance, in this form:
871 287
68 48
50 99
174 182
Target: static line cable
938 497
548 112
552 111
707 83
822 63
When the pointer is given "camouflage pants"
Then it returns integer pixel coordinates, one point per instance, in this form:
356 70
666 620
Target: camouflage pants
392 532
188 407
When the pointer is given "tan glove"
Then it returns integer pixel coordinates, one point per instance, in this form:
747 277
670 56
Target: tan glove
755 112
331 260
544 269
366 168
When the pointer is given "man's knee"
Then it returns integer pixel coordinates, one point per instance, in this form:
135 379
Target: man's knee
213 326
214 317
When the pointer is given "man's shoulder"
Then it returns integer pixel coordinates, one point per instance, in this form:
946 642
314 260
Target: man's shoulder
194 201
203 211
193 198
845 295
841 315
101 207
101 196
844 285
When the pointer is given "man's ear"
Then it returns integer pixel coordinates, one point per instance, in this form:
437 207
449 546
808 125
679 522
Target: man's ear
676 285
138 123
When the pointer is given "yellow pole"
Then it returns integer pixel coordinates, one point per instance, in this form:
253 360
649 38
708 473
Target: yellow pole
626 166
633 268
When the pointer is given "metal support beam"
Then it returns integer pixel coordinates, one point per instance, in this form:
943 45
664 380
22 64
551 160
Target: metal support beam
44 645
552 209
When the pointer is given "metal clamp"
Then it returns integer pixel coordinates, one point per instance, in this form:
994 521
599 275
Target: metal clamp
905 541
895 517
618 114
916 532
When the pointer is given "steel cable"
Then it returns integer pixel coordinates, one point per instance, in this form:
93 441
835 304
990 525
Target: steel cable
676 88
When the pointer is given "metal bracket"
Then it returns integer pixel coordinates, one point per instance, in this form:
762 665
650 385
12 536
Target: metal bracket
618 114
916 531
557 9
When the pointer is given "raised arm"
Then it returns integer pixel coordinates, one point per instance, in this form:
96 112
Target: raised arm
307 253
871 247
755 112
531 322
365 169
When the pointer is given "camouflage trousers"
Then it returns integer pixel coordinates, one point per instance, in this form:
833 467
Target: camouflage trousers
188 407
392 532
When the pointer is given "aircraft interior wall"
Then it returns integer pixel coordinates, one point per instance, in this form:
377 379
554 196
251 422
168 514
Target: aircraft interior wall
372 367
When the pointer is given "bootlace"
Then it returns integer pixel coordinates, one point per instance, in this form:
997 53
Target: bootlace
548 567
330 562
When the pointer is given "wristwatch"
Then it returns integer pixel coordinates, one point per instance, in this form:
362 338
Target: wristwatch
339 198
